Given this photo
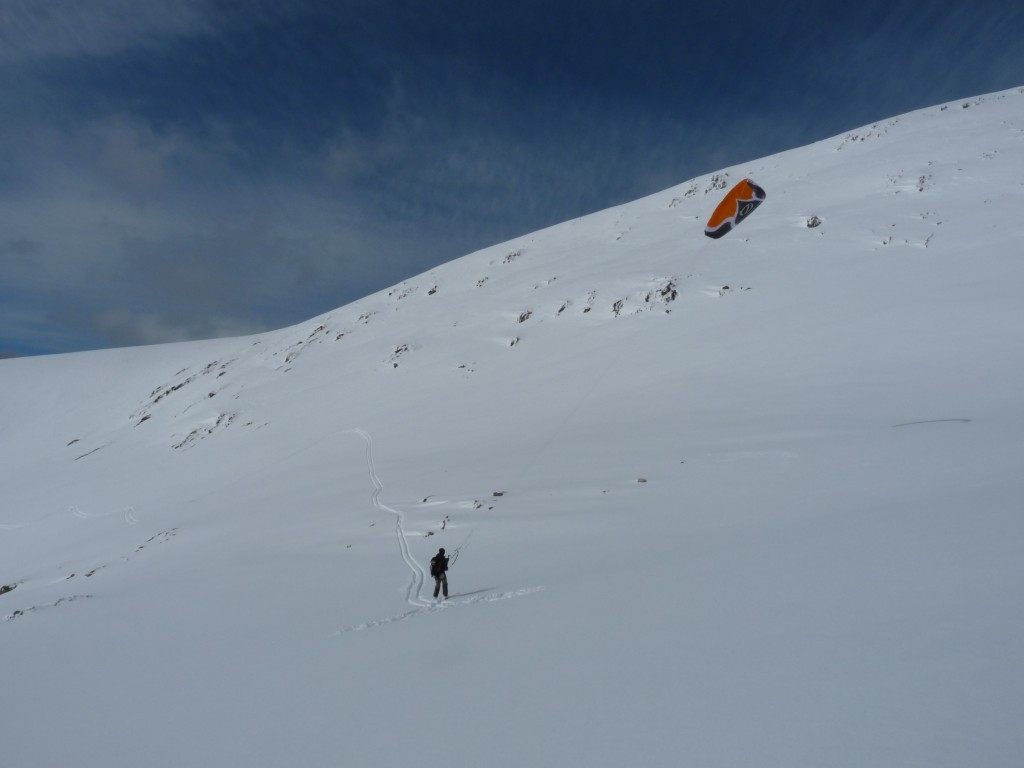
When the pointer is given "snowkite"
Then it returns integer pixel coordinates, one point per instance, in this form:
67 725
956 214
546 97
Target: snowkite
734 208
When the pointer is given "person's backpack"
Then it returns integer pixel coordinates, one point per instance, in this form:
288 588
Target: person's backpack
436 565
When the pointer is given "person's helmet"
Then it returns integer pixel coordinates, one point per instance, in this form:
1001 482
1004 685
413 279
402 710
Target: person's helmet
441 551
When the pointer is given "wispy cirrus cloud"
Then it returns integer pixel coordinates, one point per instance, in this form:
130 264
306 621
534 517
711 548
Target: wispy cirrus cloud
31 30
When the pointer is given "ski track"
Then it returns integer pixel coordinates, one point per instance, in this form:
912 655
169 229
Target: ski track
434 607
931 421
128 514
413 594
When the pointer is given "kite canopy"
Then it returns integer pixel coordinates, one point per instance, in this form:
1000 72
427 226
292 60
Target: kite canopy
734 208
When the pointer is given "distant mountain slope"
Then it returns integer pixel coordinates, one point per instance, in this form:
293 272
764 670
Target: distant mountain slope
745 501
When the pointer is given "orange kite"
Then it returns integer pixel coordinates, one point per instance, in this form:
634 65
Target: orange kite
734 208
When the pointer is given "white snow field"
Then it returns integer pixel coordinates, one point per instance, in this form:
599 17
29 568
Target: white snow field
746 502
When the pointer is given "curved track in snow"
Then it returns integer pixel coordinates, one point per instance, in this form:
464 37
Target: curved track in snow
413 594
475 598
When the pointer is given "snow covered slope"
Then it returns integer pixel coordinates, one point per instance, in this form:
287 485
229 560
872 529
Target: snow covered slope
754 501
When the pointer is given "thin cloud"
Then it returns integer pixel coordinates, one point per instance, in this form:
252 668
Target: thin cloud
130 328
31 30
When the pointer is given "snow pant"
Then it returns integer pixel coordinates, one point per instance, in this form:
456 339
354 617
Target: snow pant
439 581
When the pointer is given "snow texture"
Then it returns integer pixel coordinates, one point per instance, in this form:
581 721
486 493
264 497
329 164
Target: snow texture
754 501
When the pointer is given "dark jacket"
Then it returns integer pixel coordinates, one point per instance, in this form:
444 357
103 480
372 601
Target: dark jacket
438 564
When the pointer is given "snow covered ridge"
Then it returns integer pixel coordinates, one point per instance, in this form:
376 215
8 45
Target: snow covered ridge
746 501
496 274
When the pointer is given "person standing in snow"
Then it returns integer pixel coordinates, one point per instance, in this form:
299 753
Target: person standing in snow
439 570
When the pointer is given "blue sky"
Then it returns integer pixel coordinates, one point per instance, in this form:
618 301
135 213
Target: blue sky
198 168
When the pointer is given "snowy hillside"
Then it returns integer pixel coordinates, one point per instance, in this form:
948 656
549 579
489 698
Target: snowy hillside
753 501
